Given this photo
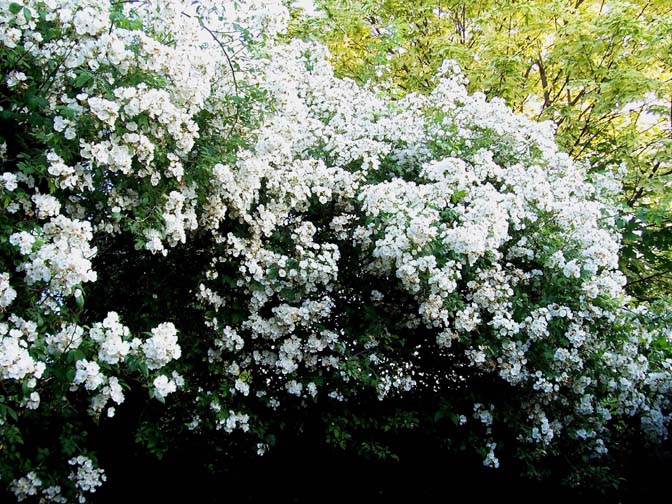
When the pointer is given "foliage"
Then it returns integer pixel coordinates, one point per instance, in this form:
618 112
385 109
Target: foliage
206 230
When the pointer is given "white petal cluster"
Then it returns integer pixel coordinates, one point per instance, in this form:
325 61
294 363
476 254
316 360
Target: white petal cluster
163 386
162 347
89 375
16 361
114 350
63 260
112 337
26 486
234 421
86 477
7 293
47 205
68 338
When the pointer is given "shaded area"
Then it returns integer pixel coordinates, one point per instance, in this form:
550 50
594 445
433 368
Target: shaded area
305 471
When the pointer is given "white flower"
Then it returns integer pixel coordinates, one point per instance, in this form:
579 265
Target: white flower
90 20
234 421
8 181
572 269
163 386
16 363
89 374
115 391
106 110
68 338
47 205
26 486
60 123
242 387
490 459
14 78
86 477
64 260
112 337
7 293
22 240
162 347
33 401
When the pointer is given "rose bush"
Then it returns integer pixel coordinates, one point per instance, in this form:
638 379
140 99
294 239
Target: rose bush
333 248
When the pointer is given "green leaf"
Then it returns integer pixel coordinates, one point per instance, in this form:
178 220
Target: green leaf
83 78
7 411
80 300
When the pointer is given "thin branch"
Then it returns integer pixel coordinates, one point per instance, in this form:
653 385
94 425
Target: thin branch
229 63
655 275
